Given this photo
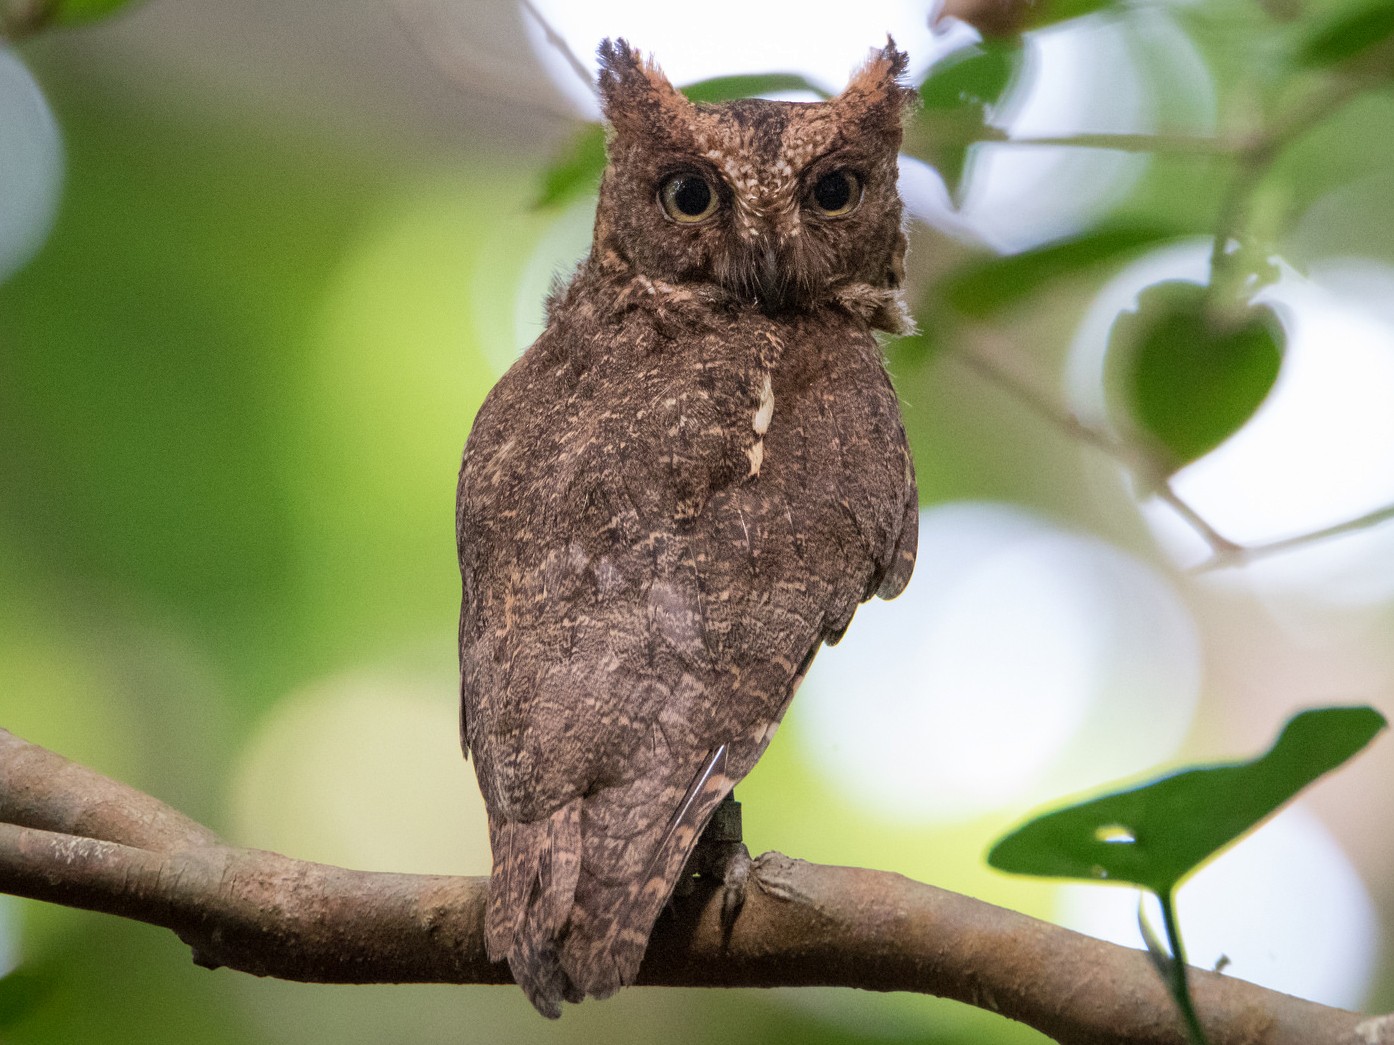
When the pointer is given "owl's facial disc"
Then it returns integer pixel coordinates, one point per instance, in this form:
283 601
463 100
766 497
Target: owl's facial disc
783 205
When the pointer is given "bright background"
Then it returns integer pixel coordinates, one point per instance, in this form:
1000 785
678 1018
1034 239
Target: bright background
260 263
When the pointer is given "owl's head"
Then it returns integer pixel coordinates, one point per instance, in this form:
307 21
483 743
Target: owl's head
782 204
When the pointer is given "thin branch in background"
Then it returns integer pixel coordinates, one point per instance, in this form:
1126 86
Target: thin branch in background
992 364
1176 144
1256 159
474 65
559 42
1251 552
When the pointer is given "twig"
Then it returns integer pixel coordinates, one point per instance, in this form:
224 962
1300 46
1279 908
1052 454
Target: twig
559 42
1256 159
801 925
24 19
1250 552
1179 144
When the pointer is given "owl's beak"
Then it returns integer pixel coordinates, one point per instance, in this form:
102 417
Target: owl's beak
773 287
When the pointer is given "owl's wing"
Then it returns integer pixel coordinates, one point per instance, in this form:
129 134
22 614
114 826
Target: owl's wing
776 565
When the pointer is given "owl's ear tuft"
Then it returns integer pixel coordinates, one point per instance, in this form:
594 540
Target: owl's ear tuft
634 93
876 93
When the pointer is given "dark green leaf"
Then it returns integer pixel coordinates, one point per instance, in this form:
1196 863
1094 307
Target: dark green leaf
1155 835
1187 377
73 12
20 993
981 287
20 19
960 95
1052 11
1348 33
729 88
975 76
577 171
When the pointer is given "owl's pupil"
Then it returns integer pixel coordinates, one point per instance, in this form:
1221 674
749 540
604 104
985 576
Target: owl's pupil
692 196
833 191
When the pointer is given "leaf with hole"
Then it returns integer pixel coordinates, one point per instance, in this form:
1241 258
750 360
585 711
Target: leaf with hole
1187 376
1156 834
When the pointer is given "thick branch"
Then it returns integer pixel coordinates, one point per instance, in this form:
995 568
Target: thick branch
801 925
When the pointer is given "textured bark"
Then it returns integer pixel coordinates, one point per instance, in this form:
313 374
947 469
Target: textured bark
71 836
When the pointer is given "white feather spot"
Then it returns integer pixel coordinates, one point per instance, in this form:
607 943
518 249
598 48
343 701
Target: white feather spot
765 411
757 457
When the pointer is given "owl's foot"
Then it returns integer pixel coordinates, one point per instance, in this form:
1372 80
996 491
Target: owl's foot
720 856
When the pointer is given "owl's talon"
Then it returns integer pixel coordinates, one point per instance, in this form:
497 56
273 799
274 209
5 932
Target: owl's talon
735 876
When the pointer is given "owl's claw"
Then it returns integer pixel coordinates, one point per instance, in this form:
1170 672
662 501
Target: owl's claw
735 875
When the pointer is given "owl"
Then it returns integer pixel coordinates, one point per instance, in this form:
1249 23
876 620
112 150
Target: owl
681 490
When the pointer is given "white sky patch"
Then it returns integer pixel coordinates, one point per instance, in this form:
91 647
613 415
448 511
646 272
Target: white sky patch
1084 76
1285 905
1021 658
727 37
31 165
1318 452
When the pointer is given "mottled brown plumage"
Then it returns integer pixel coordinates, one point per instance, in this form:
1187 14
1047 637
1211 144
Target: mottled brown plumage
683 488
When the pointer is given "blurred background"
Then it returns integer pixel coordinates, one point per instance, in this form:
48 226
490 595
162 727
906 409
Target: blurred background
259 263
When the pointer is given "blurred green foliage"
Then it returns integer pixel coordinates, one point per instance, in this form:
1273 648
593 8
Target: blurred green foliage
1350 32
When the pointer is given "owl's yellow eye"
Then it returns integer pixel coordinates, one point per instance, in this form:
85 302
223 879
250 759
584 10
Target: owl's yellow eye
688 198
836 194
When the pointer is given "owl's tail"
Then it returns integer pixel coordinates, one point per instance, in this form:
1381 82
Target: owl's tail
574 898
614 917
533 886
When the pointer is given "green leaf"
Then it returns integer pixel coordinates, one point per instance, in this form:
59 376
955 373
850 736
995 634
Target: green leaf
1157 834
729 88
22 991
1053 11
983 287
21 19
577 170
1186 376
960 95
976 76
1348 33
75 12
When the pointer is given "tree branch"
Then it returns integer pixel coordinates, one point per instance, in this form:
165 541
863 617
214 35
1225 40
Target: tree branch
71 836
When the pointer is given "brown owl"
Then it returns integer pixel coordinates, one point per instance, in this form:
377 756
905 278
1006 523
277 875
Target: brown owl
682 489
